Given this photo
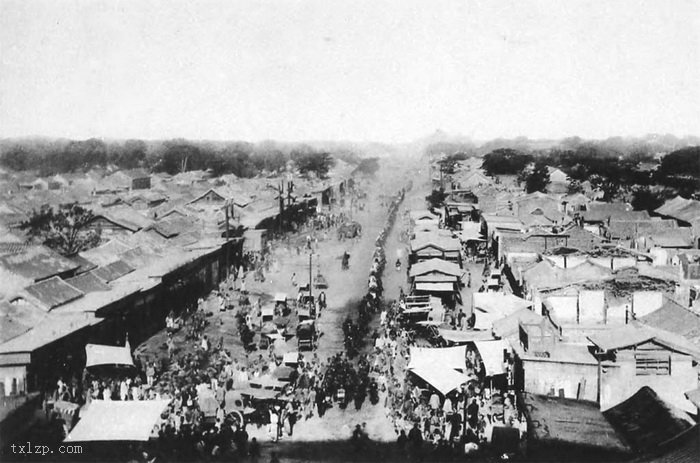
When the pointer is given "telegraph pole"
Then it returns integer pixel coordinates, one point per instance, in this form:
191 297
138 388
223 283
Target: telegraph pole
311 285
280 191
226 206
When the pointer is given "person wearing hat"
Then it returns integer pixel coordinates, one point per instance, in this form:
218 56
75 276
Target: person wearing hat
272 430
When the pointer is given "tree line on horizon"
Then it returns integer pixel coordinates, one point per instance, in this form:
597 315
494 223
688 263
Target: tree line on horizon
246 160
626 170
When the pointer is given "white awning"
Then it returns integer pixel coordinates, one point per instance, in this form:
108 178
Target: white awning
107 420
491 353
499 303
464 336
444 380
98 354
485 320
445 357
436 287
413 310
290 358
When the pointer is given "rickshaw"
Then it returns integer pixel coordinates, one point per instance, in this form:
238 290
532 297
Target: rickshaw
257 402
320 281
428 330
306 311
269 333
306 304
267 314
240 407
282 304
306 335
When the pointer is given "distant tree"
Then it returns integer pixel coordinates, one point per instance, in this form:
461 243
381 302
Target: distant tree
94 153
643 199
309 161
574 187
537 179
685 162
269 159
17 158
233 160
180 156
505 161
69 159
131 155
436 198
64 230
368 166
680 170
610 188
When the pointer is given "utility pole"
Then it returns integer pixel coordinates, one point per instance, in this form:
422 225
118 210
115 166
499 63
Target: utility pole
280 191
227 238
311 283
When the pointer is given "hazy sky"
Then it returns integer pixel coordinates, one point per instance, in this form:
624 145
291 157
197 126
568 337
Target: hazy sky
360 70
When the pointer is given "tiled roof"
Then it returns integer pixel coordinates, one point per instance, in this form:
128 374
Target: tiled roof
15 320
88 283
601 212
570 421
436 265
677 319
37 263
679 208
111 272
84 264
53 292
635 334
646 421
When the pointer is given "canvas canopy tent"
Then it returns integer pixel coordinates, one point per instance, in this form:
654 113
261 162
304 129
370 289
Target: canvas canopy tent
100 355
485 320
436 287
291 358
446 357
267 313
491 353
107 420
463 337
436 265
471 231
441 378
499 303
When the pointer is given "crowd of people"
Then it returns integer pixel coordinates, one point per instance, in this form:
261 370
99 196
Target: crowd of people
198 376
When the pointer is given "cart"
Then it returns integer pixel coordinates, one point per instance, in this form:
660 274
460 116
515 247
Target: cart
269 334
267 314
306 335
282 303
320 282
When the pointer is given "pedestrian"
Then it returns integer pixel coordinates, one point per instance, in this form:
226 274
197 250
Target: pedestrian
171 346
272 430
150 373
291 416
254 450
415 437
294 279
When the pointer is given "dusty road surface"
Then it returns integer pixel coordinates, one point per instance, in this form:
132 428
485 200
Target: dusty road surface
344 289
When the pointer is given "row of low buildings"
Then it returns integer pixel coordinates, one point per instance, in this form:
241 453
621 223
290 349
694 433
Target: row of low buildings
165 241
599 302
